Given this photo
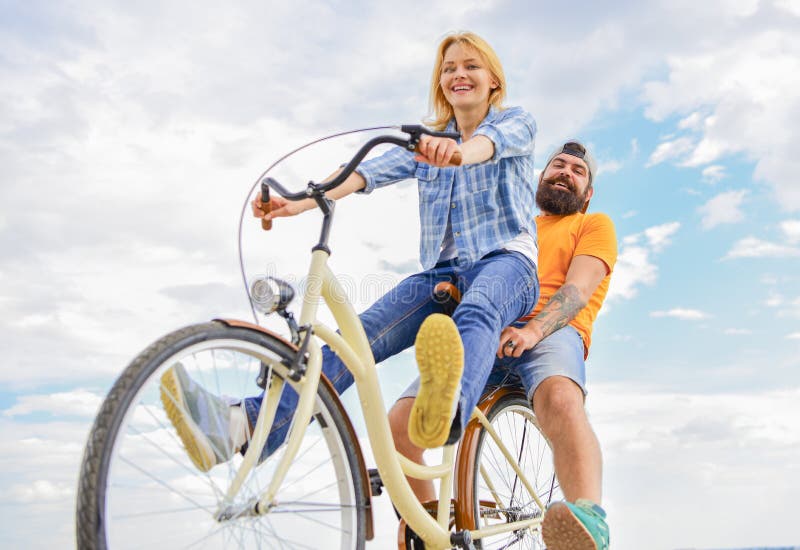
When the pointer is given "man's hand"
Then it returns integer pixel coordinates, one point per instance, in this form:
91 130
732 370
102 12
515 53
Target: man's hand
515 341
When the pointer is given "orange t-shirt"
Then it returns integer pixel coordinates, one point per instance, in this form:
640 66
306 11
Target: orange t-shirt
561 238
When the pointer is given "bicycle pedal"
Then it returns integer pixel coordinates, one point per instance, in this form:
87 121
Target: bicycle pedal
375 482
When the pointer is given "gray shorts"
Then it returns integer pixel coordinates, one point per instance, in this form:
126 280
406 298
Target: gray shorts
560 354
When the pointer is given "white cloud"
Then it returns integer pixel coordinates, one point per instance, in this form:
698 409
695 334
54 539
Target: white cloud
659 236
692 122
743 85
713 174
40 490
791 229
773 300
634 266
752 247
670 150
792 6
609 166
793 336
711 443
77 402
632 270
724 208
682 313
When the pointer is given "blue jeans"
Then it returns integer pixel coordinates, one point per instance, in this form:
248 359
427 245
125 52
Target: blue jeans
496 290
560 354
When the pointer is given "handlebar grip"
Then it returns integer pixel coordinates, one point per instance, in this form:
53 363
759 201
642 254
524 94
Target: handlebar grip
266 225
451 135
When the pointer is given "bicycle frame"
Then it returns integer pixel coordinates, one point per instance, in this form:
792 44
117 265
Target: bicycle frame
353 348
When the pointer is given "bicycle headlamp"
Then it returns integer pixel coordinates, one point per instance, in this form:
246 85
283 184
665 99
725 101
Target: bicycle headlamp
269 294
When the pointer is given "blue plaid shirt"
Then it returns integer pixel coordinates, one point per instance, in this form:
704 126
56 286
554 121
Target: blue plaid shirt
488 203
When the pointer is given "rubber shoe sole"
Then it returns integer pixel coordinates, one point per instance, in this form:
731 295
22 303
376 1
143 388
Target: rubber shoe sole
440 359
562 530
194 440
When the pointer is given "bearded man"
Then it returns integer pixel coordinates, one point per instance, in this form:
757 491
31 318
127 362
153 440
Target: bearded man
546 350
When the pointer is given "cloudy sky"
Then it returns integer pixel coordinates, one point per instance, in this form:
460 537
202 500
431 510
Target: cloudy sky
130 134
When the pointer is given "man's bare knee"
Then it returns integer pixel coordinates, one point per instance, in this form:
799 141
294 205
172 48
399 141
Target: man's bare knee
558 399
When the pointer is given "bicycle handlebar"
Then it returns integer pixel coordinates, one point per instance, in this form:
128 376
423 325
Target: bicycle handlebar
415 132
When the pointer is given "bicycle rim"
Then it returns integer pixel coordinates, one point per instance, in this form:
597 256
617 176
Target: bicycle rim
150 495
500 496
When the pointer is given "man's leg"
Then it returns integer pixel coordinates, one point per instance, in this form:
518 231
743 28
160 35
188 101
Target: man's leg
554 377
398 420
558 405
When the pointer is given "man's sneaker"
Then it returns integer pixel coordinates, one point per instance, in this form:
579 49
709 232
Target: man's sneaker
440 358
578 526
201 418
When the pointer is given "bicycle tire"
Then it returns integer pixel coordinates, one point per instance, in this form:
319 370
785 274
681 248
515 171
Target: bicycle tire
133 455
513 419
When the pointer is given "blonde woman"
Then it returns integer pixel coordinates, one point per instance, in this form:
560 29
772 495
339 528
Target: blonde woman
477 231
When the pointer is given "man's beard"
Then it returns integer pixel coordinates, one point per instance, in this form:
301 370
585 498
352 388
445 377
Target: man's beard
559 201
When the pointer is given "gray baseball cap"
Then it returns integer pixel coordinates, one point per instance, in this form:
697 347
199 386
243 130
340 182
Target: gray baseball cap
576 149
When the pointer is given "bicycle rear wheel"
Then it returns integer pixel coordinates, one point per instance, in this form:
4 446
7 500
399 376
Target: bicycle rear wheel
138 487
498 494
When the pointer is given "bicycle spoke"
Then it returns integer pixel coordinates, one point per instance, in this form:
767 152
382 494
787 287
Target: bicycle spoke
163 484
320 522
204 537
182 464
154 513
294 544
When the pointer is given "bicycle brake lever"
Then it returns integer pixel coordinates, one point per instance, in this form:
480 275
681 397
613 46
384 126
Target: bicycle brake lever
415 132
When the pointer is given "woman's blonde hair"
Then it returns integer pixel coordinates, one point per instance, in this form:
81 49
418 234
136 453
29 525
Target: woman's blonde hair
440 108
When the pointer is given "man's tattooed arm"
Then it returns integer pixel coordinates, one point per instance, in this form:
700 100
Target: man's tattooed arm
562 308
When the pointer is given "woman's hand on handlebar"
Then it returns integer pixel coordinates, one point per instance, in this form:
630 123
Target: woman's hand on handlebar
438 151
280 208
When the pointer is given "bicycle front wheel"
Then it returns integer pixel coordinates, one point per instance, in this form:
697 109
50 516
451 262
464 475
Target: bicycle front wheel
499 494
139 488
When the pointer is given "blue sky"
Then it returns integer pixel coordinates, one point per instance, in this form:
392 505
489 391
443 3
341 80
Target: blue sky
130 134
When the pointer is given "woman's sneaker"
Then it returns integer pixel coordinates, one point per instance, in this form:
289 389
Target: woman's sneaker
578 526
201 418
440 358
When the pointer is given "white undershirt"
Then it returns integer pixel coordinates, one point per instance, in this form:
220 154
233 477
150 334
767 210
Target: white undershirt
524 243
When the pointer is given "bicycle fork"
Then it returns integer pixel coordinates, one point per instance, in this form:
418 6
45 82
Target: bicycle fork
266 417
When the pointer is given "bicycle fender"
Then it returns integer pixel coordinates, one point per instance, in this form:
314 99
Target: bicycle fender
466 456
362 465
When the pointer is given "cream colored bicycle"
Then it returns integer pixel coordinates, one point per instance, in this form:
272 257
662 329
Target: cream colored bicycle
139 489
